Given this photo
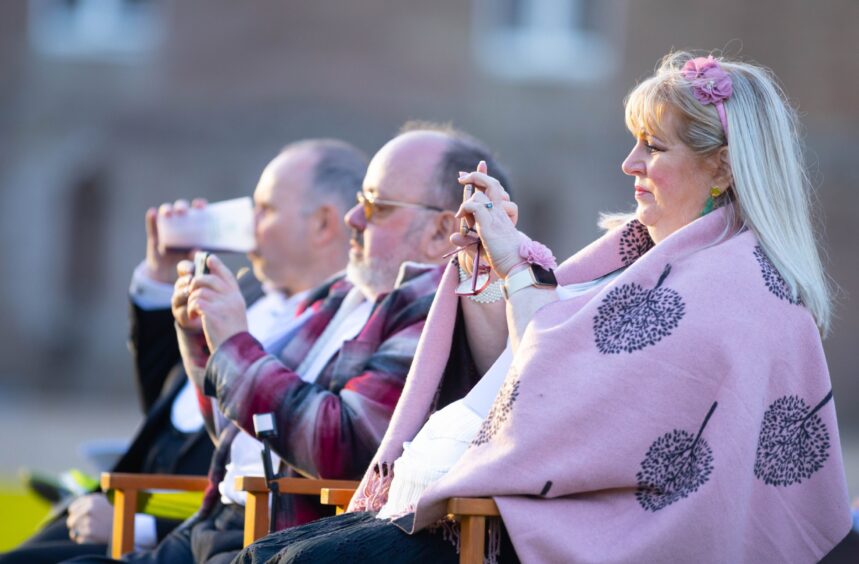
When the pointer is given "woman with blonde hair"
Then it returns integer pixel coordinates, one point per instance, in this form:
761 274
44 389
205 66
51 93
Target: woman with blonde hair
662 396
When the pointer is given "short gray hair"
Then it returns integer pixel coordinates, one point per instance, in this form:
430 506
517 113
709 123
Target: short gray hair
338 173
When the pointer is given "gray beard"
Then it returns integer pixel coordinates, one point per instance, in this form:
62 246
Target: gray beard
372 279
377 276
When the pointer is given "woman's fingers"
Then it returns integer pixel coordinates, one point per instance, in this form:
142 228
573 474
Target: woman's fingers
512 211
485 183
460 240
483 209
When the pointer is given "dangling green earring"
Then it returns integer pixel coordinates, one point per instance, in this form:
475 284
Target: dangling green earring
711 201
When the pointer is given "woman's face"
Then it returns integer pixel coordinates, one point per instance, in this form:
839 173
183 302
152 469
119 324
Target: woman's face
672 183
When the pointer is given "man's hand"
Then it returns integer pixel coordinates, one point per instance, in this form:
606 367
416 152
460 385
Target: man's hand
217 298
186 319
161 263
90 519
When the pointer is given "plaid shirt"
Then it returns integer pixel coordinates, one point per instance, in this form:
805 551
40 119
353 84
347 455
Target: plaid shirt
330 428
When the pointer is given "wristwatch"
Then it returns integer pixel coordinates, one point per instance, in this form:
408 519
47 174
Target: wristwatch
532 275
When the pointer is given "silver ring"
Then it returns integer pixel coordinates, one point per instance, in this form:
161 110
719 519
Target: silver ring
488 206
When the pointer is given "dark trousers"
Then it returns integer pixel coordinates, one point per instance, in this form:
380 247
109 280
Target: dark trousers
356 537
50 545
845 552
213 540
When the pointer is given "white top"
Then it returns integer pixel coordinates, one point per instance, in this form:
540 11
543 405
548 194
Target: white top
351 316
448 432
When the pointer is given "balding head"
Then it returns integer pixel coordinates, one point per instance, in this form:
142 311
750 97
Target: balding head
414 214
299 199
406 167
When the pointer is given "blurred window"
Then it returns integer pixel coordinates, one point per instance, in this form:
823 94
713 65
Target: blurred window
546 40
111 30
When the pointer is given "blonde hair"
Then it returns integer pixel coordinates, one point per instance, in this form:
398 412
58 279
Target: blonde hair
771 189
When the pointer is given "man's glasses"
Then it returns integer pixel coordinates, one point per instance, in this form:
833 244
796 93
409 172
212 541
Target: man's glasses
370 203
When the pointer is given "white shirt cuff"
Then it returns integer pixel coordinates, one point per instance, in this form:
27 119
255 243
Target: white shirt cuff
147 293
145 535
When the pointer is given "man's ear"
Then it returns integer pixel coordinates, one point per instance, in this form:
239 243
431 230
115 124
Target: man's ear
437 236
724 178
326 224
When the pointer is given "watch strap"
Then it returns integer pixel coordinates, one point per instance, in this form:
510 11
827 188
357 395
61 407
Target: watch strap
517 281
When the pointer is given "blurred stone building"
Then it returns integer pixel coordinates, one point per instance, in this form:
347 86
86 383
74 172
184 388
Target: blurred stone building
110 106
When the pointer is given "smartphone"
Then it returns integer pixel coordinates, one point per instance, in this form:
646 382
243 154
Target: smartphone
467 192
200 263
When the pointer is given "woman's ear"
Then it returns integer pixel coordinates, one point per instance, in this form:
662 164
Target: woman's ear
724 178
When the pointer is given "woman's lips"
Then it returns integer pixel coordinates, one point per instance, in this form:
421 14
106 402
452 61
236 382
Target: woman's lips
639 191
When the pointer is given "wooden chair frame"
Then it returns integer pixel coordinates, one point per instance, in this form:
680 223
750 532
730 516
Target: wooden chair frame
125 493
470 512
256 507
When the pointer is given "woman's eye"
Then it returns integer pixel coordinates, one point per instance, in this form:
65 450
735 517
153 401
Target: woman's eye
651 148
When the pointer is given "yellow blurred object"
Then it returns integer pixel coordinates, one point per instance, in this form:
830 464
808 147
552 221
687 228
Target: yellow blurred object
167 505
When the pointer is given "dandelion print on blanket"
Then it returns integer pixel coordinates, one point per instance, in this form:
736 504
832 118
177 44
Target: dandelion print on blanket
794 442
676 465
634 242
500 410
772 278
632 317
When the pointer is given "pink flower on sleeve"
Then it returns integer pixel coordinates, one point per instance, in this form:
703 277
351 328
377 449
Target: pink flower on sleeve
537 253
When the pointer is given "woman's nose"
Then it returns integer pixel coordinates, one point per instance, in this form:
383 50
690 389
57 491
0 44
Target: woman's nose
633 165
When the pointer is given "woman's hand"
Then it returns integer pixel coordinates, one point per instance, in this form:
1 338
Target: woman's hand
490 211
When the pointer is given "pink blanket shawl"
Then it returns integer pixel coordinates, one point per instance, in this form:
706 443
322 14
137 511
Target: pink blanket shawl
682 413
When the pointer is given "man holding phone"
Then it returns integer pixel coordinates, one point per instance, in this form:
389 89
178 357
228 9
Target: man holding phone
299 200
332 385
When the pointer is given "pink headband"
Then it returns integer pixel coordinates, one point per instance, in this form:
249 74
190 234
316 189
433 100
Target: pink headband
710 84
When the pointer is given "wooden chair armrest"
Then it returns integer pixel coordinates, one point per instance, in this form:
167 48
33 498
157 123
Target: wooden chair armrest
300 486
118 480
480 506
254 484
125 489
339 497
256 507
471 512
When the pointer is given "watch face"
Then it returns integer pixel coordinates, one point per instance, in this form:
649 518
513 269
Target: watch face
543 276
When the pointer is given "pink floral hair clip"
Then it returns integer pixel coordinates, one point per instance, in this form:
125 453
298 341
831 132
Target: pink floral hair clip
710 84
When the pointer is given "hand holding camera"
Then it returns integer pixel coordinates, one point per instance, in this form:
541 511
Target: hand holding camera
491 213
226 226
187 320
212 300
481 193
